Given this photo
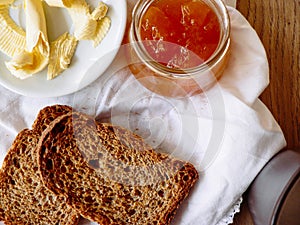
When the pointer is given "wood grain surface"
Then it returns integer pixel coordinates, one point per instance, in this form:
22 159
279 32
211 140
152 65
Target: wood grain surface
277 22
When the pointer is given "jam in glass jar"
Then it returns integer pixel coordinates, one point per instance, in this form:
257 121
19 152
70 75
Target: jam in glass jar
179 48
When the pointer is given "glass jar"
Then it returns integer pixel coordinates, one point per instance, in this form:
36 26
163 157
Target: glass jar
173 81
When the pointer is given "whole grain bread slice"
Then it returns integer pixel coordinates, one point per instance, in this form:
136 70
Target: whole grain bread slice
109 174
47 115
23 197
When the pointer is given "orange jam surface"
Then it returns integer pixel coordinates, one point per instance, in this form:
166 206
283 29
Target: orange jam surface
180 33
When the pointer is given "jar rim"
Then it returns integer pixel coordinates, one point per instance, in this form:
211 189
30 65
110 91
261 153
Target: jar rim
219 8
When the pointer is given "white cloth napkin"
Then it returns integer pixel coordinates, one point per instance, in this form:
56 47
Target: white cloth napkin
227 132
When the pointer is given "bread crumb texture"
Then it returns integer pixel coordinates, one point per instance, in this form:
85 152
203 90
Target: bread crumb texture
109 175
23 197
69 165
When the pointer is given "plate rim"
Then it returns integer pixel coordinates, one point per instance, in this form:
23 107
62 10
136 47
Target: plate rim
29 92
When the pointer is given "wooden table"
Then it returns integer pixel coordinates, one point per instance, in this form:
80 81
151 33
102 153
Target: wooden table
277 23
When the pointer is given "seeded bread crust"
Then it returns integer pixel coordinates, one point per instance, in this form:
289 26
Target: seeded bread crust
109 174
23 197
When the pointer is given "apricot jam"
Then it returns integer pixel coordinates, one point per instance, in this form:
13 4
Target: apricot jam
180 34
179 48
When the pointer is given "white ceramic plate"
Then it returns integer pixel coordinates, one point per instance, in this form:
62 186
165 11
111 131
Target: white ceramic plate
88 62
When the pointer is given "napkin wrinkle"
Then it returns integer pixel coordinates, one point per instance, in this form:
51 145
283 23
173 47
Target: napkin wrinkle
268 125
238 79
256 120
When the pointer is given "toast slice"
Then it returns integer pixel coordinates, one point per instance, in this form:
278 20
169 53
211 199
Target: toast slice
47 115
23 197
109 174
